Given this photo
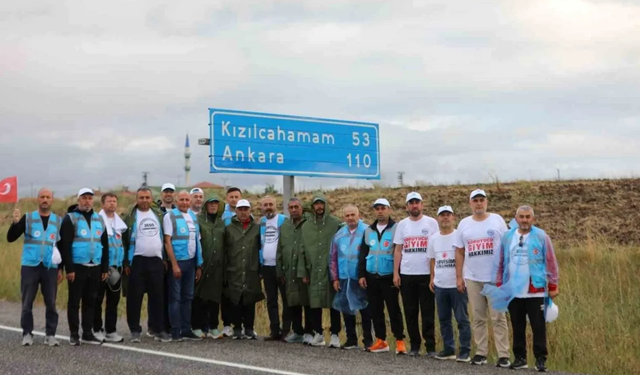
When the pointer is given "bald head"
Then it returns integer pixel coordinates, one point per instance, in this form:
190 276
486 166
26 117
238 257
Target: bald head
351 215
45 199
184 200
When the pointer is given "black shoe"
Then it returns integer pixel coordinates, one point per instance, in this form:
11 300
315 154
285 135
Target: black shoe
518 364
273 337
503 362
540 364
250 334
89 338
479 360
190 336
414 353
446 355
350 344
74 340
237 334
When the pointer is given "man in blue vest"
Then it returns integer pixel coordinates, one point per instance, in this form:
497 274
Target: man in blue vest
343 268
270 224
182 243
110 288
375 270
39 264
85 251
234 194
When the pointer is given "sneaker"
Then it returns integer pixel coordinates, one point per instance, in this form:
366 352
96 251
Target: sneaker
294 338
237 334
503 362
318 340
540 364
400 347
414 353
367 344
348 345
432 354
250 334
228 331
199 333
74 340
150 333
27 340
307 338
51 341
334 342
215 334
464 358
99 334
191 336
164 337
273 337
379 347
90 339
479 360
519 364
446 355
176 336
113 337
135 337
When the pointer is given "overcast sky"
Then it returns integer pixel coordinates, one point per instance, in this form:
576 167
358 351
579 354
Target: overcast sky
93 94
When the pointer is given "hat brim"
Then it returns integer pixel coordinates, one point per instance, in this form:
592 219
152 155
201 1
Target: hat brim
445 211
478 195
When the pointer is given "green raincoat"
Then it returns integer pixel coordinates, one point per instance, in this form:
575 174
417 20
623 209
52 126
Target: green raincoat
209 288
287 261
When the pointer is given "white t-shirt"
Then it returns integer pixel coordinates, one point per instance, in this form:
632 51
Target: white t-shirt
168 231
148 239
414 238
519 262
271 236
381 227
481 241
442 249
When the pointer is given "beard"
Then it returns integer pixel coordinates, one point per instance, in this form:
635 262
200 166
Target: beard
414 213
269 214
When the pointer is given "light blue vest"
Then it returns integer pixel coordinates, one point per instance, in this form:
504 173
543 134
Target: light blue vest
116 249
87 246
263 229
180 237
348 250
227 215
380 258
38 242
537 258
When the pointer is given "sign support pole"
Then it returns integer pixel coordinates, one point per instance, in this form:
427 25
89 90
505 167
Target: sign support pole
288 191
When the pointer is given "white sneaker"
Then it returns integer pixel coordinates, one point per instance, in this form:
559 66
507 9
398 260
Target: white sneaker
227 331
318 340
113 337
27 340
335 342
51 341
99 335
306 339
199 333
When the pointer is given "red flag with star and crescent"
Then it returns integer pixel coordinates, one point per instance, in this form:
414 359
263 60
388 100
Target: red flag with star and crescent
9 190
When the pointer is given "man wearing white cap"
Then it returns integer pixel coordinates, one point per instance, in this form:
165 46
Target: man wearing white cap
197 200
477 244
84 244
375 271
443 283
411 273
167 193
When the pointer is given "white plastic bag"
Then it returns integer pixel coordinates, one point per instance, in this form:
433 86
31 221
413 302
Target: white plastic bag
56 258
551 313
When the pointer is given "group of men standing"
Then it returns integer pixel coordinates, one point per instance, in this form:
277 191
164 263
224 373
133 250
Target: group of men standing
197 260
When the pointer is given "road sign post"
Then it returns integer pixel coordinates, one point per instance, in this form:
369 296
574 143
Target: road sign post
288 191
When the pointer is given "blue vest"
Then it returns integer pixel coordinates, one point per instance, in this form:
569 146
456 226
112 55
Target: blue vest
116 249
227 215
180 237
348 246
87 246
537 258
263 229
38 243
380 258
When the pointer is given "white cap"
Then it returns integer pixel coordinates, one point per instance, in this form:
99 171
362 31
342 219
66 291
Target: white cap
243 203
196 190
84 191
381 201
168 186
445 209
477 192
413 195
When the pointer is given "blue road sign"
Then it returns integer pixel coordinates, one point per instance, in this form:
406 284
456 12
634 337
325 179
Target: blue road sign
263 143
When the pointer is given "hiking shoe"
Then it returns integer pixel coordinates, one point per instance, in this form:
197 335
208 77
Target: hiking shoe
113 337
27 339
479 360
400 347
90 338
250 334
199 333
99 334
335 342
293 338
164 337
215 334
518 364
307 338
464 357
74 340
228 331
51 341
349 344
318 340
135 337
503 362
379 347
540 364
446 355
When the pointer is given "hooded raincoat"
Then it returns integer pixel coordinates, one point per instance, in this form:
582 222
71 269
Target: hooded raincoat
287 261
209 288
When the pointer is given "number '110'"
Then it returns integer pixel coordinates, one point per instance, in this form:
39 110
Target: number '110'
356 160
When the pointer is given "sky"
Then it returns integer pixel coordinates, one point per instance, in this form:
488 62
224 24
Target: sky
463 92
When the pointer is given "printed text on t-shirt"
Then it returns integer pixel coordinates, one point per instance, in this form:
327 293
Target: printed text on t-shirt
480 247
417 244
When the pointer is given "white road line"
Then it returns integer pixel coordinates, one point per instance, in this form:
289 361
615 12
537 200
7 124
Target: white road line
170 355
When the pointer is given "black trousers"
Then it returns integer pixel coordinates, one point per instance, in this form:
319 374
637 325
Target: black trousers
47 279
165 324
226 311
83 288
519 309
272 286
350 327
419 300
204 314
244 315
147 276
111 309
381 291
316 320
296 320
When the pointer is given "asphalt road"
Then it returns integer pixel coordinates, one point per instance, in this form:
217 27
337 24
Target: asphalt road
204 357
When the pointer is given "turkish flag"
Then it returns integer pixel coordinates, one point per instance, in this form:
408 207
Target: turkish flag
9 190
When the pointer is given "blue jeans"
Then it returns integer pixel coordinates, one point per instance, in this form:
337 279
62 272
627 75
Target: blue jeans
448 299
181 296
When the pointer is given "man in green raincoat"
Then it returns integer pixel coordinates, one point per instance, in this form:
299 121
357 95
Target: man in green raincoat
317 233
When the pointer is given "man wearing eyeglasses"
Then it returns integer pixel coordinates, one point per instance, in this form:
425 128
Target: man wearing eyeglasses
477 245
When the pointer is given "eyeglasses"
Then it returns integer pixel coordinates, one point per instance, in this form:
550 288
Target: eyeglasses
521 241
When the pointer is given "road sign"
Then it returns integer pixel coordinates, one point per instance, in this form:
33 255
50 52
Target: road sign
264 143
